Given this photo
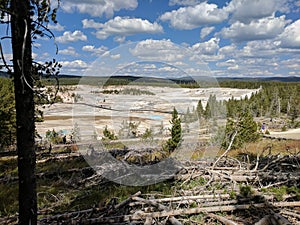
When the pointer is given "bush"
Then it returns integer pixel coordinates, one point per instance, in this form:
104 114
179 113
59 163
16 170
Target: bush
109 134
246 129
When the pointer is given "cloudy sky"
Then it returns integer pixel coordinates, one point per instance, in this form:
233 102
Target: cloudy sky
233 38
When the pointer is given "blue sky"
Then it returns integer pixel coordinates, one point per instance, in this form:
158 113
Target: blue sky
251 38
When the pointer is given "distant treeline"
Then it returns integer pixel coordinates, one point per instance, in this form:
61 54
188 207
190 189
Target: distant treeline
202 82
274 99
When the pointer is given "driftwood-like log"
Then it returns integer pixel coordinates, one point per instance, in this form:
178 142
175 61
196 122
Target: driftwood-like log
171 219
139 216
222 219
293 214
182 198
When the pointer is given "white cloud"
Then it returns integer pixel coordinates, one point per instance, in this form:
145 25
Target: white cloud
258 49
184 2
98 7
168 69
95 51
227 63
209 47
124 26
206 31
231 64
74 64
36 45
77 35
164 50
265 28
293 64
186 18
119 39
86 23
68 51
116 56
290 38
247 10
228 50
56 27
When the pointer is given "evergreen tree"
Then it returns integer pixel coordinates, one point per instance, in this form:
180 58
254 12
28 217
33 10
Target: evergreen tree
199 109
207 112
7 113
176 132
109 134
26 19
245 127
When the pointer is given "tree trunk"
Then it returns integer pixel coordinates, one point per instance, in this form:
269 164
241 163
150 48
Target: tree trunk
22 64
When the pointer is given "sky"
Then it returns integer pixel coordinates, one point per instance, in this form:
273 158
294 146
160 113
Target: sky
234 38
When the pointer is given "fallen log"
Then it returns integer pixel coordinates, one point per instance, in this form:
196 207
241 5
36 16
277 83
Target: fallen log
222 219
182 198
171 219
142 216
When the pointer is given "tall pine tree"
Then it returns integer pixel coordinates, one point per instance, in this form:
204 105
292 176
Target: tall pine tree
176 132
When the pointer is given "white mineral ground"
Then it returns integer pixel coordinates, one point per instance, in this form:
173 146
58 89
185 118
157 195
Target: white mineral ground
150 110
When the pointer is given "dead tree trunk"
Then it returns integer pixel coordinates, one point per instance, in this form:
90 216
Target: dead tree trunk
22 64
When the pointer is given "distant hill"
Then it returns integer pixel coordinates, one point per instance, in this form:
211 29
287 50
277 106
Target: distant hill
267 79
186 79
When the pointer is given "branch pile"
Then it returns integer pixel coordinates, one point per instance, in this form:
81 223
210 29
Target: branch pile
227 192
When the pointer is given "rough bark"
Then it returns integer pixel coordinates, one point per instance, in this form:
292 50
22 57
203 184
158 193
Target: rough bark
22 63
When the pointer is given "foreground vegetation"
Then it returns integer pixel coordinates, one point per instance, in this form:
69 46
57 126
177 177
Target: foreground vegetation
253 171
67 184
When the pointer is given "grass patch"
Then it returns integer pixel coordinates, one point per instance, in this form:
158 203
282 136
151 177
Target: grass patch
265 147
8 166
61 165
8 199
200 181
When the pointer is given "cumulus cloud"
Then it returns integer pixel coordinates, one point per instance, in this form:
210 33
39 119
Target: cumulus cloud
98 7
164 50
186 18
293 64
228 50
206 31
258 49
226 63
95 51
86 23
260 29
116 56
247 10
231 64
56 27
74 64
207 48
68 51
119 39
290 38
185 2
77 35
124 26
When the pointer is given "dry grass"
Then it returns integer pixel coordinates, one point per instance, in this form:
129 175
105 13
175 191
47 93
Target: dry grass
268 147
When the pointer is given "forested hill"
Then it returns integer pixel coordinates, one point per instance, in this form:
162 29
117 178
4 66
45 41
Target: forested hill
270 79
75 78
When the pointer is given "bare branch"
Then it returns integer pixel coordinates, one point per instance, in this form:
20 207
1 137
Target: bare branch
227 150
